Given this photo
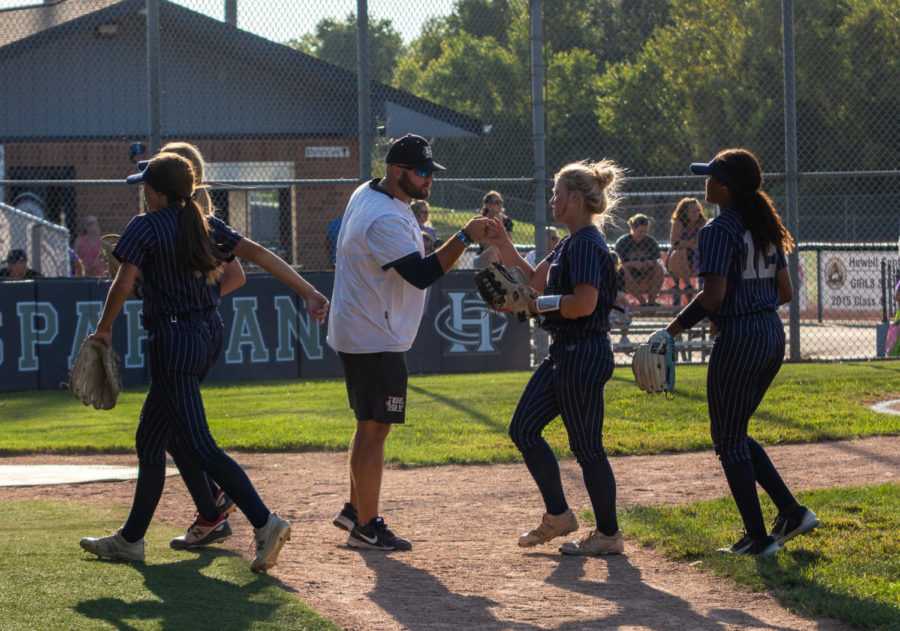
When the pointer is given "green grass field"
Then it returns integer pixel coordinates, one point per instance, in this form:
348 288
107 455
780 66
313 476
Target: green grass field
848 569
60 587
463 418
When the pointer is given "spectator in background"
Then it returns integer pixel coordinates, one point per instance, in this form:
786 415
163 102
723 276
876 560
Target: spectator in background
17 266
87 247
492 207
428 240
421 212
683 261
639 255
75 265
897 288
331 236
552 241
620 319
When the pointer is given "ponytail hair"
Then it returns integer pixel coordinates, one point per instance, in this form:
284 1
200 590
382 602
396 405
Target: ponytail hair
173 176
598 183
755 206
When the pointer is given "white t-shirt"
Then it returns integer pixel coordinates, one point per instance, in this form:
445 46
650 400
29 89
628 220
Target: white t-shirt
373 309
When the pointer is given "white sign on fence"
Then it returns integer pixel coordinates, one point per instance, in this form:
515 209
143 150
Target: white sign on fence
328 152
851 280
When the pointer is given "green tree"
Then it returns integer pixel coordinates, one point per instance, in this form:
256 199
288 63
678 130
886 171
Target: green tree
335 42
481 18
713 78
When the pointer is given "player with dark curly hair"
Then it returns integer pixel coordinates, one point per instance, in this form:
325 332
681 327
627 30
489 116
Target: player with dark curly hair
745 279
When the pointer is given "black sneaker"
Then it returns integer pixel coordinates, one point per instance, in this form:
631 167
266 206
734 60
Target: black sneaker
786 528
760 548
347 518
376 536
740 546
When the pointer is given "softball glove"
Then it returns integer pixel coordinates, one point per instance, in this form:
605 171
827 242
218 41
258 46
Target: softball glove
654 363
95 377
505 290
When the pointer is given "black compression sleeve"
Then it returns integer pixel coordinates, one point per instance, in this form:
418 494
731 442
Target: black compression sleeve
417 271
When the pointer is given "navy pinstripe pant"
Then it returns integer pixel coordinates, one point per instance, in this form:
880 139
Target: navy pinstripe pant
181 353
747 354
569 382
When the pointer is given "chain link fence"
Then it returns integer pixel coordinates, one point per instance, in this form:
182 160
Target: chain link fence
270 92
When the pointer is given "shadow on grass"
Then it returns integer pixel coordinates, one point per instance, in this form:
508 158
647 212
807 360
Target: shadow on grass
473 413
790 583
186 598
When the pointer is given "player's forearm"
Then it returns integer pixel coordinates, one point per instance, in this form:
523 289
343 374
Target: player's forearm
449 253
255 253
118 294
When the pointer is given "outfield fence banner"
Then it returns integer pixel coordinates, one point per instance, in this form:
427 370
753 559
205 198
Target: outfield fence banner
268 334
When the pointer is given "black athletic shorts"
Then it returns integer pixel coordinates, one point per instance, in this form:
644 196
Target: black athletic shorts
376 385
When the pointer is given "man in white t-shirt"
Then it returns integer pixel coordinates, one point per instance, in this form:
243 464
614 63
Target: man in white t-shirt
376 307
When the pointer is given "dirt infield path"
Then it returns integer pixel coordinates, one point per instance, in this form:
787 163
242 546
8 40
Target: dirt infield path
465 570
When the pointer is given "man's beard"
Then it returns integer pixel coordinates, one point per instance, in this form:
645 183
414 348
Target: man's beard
406 185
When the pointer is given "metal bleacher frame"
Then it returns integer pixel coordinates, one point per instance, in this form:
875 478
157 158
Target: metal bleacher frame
646 320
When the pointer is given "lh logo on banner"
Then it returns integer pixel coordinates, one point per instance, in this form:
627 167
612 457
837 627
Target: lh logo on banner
467 324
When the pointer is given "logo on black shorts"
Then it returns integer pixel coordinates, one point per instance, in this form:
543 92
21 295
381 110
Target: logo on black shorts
395 404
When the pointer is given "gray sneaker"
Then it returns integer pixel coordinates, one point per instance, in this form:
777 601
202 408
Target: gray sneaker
269 541
224 503
551 526
595 543
202 533
115 547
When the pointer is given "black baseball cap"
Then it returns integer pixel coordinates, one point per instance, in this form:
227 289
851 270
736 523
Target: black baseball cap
16 255
412 151
714 168
147 175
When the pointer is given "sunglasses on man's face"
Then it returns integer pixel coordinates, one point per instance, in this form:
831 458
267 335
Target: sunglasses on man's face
491 202
419 172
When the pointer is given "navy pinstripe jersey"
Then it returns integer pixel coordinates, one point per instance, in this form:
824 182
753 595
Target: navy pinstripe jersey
582 258
149 241
726 249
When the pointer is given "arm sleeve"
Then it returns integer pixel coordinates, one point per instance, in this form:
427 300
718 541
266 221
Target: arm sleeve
715 251
780 261
586 259
135 242
223 235
417 271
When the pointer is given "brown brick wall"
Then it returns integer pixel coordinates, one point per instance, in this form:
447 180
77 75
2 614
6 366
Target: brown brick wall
314 206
